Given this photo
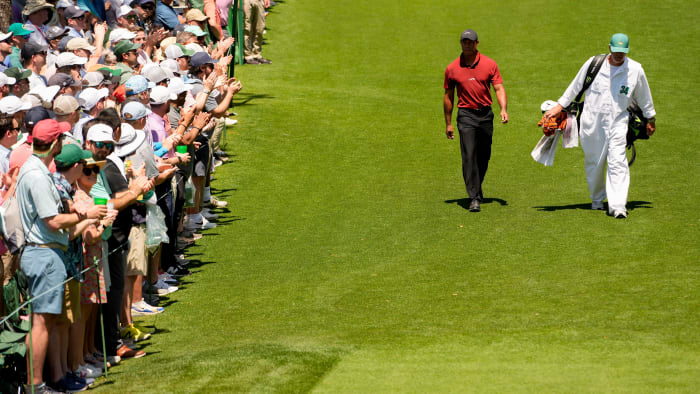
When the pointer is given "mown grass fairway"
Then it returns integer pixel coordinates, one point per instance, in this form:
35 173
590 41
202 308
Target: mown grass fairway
348 262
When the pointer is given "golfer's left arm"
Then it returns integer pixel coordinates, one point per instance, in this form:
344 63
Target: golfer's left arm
502 101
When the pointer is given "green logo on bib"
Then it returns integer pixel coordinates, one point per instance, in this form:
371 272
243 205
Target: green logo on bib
624 90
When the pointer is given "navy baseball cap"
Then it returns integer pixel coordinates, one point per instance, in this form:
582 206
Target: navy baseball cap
201 58
470 35
35 115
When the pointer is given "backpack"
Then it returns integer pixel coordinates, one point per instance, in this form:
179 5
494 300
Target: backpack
11 227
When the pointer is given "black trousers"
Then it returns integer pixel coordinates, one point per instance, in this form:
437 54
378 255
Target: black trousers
167 205
475 137
112 309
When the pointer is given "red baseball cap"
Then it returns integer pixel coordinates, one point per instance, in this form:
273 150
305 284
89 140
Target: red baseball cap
48 130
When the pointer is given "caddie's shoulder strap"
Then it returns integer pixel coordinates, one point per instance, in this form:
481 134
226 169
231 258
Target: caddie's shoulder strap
593 69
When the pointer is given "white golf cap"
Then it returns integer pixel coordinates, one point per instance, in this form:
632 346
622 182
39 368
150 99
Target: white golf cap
174 52
161 95
10 105
45 93
63 4
171 66
121 34
5 80
93 79
89 97
69 59
100 133
154 73
194 47
32 100
5 36
123 11
79 43
177 85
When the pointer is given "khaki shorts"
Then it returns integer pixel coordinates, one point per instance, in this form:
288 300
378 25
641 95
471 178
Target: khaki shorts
137 259
71 302
10 265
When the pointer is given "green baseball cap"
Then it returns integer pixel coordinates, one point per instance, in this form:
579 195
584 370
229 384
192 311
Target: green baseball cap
620 43
71 154
18 29
17 73
125 46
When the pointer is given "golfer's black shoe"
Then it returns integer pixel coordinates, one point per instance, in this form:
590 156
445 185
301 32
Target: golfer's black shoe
474 206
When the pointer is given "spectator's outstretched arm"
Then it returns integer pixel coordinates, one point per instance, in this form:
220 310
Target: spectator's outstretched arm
100 31
233 87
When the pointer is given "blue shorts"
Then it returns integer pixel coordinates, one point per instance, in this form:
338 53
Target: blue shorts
45 271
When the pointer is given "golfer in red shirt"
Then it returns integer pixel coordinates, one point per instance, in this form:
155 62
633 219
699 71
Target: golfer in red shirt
472 74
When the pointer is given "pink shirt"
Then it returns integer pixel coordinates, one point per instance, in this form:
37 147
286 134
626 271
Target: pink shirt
159 130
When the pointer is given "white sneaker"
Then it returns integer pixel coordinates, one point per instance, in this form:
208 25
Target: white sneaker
620 214
230 122
87 371
206 225
145 308
215 203
217 163
163 288
207 214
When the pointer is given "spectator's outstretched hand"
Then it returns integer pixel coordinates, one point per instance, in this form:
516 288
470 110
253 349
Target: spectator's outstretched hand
234 86
187 115
201 120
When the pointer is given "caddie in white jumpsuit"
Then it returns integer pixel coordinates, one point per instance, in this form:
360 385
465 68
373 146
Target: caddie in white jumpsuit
603 128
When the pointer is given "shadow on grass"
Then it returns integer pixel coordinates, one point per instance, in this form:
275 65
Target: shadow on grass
247 98
631 206
464 202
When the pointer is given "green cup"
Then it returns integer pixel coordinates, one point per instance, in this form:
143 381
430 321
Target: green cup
181 149
100 201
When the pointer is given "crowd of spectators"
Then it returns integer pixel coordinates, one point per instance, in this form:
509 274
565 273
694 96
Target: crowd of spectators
111 121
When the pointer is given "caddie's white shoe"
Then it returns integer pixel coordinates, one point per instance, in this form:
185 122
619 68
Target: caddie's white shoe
620 214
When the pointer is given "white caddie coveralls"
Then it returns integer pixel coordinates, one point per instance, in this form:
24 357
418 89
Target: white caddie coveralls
603 129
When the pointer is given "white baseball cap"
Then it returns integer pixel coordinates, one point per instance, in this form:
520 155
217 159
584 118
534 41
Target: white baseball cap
129 140
45 93
121 34
89 97
100 133
93 79
10 105
5 80
170 65
194 47
154 73
5 36
69 59
177 85
124 10
161 95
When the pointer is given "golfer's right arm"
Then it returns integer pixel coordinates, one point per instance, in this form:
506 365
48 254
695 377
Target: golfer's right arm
448 104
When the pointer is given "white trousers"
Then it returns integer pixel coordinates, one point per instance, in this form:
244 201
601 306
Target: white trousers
604 139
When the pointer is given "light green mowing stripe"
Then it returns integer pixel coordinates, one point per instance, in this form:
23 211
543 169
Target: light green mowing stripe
346 263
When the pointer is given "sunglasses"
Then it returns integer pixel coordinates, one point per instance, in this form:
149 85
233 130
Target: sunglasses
91 170
148 7
101 144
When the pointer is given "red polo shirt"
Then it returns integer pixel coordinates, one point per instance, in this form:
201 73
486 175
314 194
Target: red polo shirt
472 80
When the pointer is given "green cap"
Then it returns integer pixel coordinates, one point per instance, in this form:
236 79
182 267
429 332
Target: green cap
71 154
17 73
18 29
125 46
619 43
185 51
